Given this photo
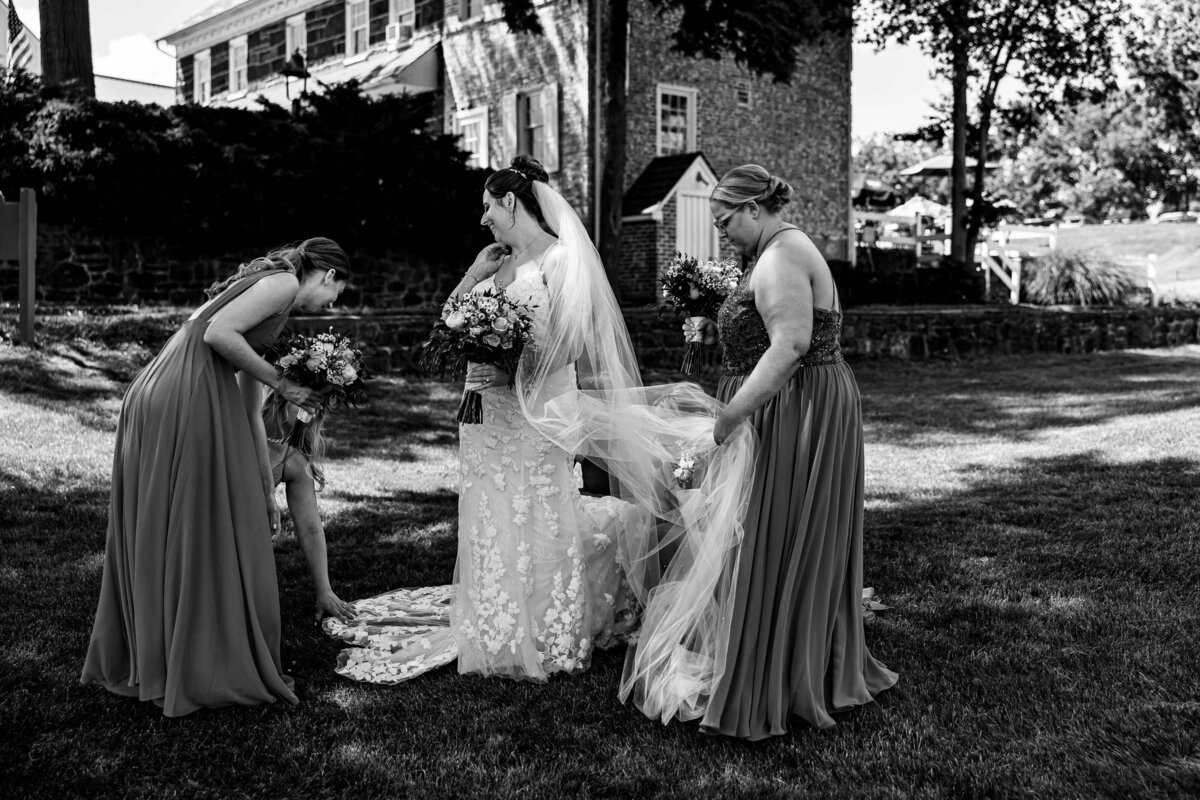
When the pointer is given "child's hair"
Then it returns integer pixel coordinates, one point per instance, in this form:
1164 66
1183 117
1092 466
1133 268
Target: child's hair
305 437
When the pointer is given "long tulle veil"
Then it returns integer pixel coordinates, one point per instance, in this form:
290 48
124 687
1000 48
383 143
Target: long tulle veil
681 567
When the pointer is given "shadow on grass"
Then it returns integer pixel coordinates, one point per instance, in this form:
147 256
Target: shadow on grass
1017 398
1044 624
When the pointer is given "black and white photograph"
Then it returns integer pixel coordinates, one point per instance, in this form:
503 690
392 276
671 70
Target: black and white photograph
600 399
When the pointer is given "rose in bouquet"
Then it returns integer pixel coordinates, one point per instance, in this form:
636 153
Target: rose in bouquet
326 363
697 288
485 327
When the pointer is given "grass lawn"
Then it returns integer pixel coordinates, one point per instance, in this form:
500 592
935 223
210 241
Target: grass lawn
1033 521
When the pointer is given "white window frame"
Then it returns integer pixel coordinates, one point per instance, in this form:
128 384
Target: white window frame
202 77
351 29
239 75
470 116
295 33
403 12
740 88
690 95
525 134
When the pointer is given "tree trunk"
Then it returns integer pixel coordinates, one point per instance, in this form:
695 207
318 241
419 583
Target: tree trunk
612 191
981 155
958 169
67 46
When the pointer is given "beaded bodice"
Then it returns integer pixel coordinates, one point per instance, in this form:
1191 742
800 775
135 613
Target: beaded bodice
744 335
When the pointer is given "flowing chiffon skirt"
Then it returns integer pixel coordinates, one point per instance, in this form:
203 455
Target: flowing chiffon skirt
796 645
188 615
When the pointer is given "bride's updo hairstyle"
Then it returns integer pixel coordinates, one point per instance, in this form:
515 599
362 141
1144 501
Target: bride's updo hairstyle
317 254
750 182
518 179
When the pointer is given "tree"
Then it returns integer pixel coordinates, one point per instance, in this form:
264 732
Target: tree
764 41
1164 56
67 46
1058 50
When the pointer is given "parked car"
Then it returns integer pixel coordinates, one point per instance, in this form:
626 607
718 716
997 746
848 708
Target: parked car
1074 220
1178 216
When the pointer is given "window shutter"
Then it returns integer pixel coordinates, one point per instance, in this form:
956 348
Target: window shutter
508 119
550 125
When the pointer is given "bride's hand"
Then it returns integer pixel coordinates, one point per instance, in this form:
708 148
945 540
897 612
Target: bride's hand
485 376
488 262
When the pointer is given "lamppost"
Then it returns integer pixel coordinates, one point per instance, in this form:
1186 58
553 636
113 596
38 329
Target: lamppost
294 68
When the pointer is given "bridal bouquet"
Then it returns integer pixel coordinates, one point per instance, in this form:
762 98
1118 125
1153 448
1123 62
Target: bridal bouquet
484 327
325 363
698 288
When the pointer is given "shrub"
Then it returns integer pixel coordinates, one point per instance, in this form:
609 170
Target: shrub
1076 278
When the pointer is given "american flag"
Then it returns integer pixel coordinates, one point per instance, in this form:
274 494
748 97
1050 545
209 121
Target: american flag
20 52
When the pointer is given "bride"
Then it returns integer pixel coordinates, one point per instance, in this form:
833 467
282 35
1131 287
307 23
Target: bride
544 574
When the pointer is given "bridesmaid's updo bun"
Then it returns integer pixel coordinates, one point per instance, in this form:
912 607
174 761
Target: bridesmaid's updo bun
518 179
750 182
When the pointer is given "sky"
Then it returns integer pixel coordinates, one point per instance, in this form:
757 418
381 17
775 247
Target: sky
892 89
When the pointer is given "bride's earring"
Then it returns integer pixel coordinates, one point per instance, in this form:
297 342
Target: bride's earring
512 215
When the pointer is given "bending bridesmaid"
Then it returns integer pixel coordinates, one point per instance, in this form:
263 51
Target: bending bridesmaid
188 615
796 644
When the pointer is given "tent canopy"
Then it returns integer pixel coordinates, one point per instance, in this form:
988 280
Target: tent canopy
940 166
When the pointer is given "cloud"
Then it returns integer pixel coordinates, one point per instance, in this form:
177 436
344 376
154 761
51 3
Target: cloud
135 57
27 10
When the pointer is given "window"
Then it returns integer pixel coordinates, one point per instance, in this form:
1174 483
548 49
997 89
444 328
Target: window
473 130
741 91
356 27
531 123
468 9
676 120
237 64
403 12
202 78
296 36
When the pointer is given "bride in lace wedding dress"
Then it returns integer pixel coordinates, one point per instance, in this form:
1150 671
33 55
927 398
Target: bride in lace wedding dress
544 574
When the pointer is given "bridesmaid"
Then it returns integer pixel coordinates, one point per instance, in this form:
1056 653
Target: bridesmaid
796 645
188 615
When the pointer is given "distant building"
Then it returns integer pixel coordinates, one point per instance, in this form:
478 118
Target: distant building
689 120
112 89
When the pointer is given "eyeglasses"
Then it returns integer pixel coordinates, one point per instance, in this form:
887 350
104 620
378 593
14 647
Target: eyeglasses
723 223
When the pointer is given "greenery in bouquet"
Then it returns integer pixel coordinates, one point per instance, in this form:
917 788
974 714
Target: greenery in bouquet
698 287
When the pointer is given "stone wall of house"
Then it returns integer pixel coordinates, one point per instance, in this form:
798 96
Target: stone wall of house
800 131
484 61
86 270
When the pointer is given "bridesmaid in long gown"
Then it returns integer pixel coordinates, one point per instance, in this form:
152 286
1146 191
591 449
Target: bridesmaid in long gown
188 615
796 645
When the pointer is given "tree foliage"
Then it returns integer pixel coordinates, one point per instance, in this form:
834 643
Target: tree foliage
362 171
1058 51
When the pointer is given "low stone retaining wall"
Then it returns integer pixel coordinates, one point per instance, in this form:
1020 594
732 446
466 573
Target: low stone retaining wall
917 335
391 340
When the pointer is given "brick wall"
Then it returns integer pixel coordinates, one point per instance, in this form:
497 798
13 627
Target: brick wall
484 60
266 51
800 131
639 261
